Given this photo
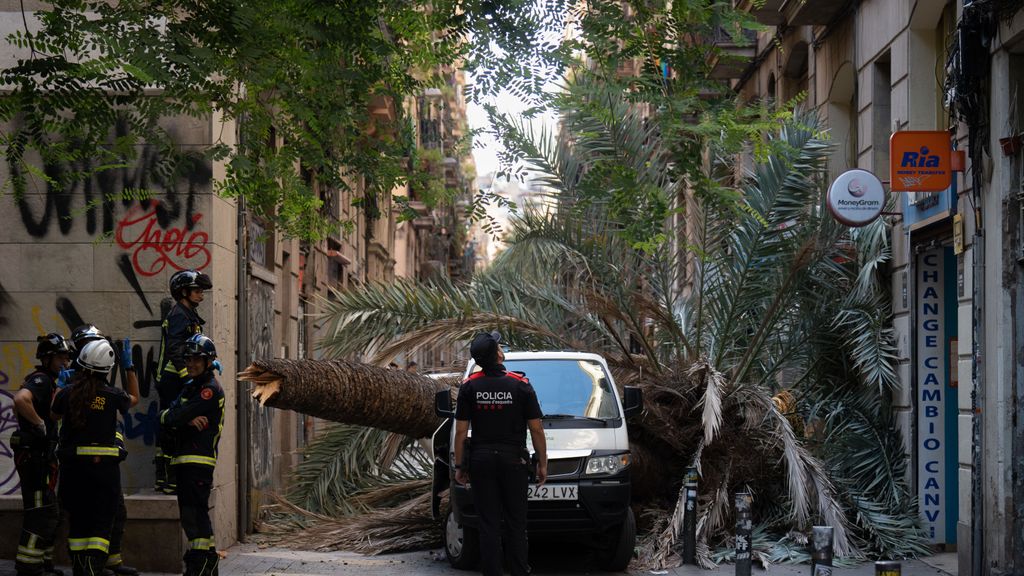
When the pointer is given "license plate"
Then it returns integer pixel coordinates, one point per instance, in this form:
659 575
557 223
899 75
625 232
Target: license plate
554 492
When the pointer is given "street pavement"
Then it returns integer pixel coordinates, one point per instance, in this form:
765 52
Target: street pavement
244 559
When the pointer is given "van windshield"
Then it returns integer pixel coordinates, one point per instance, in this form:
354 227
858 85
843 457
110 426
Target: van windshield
570 387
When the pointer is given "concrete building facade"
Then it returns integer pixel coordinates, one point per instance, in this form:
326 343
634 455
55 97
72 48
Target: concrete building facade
874 67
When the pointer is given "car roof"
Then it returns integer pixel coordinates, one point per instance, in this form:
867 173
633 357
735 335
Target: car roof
548 355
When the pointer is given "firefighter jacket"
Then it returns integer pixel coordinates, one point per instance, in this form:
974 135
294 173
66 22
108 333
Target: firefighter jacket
41 384
201 396
181 323
97 439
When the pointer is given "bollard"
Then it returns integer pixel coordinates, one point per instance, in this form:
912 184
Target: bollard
744 526
887 568
821 551
690 517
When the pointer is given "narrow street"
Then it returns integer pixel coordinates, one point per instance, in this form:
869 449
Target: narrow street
245 559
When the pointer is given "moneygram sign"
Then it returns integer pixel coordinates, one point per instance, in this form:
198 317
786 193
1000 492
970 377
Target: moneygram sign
856 198
919 161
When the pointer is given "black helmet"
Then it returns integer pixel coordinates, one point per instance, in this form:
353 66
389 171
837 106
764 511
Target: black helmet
200 345
52 343
84 334
187 280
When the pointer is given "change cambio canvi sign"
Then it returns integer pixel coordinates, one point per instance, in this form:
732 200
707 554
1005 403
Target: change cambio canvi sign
856 198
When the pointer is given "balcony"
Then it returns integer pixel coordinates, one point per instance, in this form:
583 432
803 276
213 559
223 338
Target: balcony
812 12
768 12
732 56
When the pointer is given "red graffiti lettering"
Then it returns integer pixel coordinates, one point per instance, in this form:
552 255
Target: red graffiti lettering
154 248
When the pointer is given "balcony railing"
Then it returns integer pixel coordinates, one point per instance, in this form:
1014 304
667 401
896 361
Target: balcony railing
766 12
733 54
812 12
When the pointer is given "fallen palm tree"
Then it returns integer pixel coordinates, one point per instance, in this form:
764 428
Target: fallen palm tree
349 392
767 360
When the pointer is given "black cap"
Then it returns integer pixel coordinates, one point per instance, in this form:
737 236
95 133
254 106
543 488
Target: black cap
484 348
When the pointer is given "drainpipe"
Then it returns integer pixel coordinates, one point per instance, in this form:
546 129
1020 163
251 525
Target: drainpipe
242 355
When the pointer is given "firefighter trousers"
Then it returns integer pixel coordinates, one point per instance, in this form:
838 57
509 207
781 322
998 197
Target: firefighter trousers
500 480
89 492
194 485
168 388
37 473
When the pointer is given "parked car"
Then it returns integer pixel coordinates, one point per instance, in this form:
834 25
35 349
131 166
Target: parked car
587 495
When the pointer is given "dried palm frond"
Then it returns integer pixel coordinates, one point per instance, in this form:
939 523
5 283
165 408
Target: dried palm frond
406 527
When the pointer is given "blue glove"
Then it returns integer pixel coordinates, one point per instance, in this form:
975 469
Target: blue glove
64 378
126 355
216 366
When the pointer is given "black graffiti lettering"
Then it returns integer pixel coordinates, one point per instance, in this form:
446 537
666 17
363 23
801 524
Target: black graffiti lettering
124 264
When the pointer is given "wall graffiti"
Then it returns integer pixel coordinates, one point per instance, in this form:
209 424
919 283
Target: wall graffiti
8 423
261 343
152 214
154 248
178 180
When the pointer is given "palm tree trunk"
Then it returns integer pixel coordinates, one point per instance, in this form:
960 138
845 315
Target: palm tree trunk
348 392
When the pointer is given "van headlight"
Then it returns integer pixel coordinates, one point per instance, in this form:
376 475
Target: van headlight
606 465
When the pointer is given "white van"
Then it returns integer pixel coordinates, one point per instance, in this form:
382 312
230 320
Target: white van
587 494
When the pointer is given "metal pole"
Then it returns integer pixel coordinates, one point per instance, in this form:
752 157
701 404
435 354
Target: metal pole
690 517
887 568
242 357
744 526
821 551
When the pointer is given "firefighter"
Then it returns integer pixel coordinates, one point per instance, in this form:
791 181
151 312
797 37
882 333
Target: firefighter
499 406
80 337
181 323
195 419
90 479
33 457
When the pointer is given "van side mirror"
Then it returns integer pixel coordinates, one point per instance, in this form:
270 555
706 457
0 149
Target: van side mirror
443 403
632 400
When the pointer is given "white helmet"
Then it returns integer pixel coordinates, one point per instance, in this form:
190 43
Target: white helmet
97 356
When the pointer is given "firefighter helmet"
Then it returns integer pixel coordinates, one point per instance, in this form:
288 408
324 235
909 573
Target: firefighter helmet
97 356
188 280
200 345
84 334
52 343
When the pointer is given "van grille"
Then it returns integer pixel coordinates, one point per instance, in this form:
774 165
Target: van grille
564 466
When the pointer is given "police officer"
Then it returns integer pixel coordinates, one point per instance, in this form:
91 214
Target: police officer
33 458
195 419
80 337
499 406
90 480
181 323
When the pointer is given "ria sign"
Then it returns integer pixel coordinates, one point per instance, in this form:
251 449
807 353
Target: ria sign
856 198
919 161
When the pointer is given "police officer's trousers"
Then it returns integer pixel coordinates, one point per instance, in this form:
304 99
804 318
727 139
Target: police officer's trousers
37 474
194 484
168 389
89 490
499 480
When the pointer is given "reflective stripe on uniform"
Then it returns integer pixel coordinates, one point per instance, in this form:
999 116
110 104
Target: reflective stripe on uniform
37 498
30 551
200 543
97 451
119 436
94 543
28 559
114 559
194 459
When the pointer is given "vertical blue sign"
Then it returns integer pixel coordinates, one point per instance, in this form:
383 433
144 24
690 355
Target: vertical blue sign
931 392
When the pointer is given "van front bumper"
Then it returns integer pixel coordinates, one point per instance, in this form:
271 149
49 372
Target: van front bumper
602 504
